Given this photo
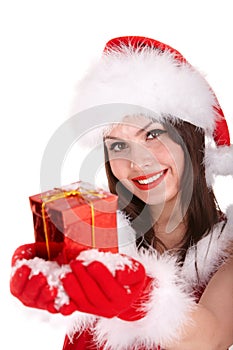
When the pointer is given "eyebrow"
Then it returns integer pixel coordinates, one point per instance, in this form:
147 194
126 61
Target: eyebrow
144 128
137 133
112 138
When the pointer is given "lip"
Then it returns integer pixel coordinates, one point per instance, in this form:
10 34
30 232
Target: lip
146 187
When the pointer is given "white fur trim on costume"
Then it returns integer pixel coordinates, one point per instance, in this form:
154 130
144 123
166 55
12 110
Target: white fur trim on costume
126 234
218 161
150 79
171 300
167 311
210 253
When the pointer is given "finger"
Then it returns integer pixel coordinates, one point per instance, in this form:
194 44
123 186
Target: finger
33 288
131 275
74 290
19 280
78 297
93 291
46 296
105 280
68 309
50 307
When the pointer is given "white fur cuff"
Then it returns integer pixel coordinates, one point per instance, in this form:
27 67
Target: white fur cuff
167 311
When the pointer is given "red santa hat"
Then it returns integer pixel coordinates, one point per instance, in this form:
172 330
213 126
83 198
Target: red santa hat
144 72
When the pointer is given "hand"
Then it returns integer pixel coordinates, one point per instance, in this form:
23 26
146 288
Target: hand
92 288
32 288
33 291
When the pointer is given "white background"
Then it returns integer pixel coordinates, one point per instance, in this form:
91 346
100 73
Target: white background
45 48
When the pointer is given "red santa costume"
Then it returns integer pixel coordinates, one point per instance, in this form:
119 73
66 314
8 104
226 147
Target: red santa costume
147 73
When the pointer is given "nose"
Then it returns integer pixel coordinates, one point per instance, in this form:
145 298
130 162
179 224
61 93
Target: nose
141 156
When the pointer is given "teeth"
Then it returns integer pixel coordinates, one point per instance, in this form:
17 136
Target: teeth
150 179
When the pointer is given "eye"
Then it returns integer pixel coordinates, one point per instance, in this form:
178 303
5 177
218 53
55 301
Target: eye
153 134
118 146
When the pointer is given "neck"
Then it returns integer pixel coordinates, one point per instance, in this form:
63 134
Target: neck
169 222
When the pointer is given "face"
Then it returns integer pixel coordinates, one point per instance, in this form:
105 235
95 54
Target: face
145 159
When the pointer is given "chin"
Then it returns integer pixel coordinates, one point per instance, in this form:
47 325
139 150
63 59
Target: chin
159 199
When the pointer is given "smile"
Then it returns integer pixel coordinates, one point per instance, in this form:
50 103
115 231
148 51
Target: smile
149 181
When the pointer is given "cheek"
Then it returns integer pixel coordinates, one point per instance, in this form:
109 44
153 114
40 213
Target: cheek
179 161
172 155
176 157
119 168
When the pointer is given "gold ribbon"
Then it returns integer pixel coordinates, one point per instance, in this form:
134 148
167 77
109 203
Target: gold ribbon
80 192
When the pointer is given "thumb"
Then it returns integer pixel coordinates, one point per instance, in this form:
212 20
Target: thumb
134 274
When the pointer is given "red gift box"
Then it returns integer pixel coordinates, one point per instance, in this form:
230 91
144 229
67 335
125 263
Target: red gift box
78 215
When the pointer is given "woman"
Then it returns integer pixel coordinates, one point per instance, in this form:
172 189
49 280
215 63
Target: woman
173 288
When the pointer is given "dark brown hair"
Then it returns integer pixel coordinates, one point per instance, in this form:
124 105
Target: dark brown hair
202 212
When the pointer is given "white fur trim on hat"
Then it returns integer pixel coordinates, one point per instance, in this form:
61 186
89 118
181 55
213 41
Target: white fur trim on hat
152 80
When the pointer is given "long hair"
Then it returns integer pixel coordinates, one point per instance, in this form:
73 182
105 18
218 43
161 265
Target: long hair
202 211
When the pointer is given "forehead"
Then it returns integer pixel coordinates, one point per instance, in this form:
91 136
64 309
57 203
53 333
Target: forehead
131 125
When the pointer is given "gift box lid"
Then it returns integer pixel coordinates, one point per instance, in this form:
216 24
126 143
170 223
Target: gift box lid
74 202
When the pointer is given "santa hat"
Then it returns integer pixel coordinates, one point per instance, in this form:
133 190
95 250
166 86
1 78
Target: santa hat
144 72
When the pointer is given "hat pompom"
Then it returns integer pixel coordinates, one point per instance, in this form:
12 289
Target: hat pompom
218 161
